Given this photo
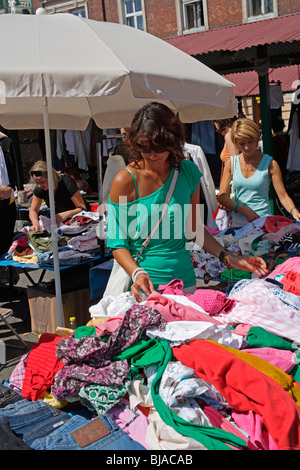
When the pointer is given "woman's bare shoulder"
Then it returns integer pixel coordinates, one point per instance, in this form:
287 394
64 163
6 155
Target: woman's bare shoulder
122 185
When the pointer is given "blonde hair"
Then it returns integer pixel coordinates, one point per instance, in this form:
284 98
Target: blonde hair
42 166
245 128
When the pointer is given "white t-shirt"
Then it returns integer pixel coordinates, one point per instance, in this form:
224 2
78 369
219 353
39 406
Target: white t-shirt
4 179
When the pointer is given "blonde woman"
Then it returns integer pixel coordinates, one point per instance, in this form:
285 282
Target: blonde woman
67 197
253 173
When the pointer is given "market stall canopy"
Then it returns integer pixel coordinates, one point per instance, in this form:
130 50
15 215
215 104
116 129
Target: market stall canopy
234 48
258 46
59 71
246 83
102 70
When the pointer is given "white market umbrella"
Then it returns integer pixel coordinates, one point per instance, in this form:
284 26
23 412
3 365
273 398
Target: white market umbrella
59 71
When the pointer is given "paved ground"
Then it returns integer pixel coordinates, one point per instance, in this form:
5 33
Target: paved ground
16 299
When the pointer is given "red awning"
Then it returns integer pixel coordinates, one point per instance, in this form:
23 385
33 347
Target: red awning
246 83
282 29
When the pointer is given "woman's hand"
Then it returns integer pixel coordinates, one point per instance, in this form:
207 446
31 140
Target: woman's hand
142 283
250 263
36 227
5 192
295 213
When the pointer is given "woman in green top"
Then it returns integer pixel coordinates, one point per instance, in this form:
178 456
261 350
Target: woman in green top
137 195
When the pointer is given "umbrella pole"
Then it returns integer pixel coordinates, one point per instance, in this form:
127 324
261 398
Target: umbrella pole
54 234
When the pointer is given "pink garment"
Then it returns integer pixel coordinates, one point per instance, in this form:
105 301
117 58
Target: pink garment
283 359
174 287
219 421
276 236
17 377
256 305
212 230
275 222
174 311
133 422
242 329
252 423
212 301
291 264
22 241
109 326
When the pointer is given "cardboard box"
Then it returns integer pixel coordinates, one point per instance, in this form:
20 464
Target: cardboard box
43 309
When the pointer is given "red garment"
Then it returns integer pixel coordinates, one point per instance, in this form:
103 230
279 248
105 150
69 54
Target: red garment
245 388
275 222
291 282
42 366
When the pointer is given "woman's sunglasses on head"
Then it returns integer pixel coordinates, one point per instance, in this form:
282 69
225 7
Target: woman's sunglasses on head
143 149
38 173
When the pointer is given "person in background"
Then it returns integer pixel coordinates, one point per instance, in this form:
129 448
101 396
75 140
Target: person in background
281 143
82 184
157 139
118 158
67 197
253 173
223 127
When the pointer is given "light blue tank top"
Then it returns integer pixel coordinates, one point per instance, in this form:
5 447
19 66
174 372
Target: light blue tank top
252 192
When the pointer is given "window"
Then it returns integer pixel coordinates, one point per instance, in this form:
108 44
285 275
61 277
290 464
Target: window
79 12
193 15
134 14
76 7
257 8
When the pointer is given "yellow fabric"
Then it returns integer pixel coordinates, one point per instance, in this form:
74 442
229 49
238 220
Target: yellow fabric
34 259
282 378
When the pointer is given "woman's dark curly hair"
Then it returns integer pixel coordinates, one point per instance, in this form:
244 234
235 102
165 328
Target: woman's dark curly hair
223 123
157 126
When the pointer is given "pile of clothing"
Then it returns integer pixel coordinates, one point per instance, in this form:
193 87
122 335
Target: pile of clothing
77 242
271 238
204 371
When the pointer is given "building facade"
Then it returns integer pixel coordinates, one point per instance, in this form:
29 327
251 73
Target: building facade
167 18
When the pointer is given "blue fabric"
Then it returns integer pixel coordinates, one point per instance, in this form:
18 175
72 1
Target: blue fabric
32 420
252 192
63 439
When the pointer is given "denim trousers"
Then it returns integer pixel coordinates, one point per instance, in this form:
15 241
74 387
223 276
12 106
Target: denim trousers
63 439
8 396
32 420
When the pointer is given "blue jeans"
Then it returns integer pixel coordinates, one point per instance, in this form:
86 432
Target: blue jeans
62 438
33 420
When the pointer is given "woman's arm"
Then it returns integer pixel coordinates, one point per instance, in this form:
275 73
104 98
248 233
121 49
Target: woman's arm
123 186
248 263
79 204
286 201
223 196
211 245
232 150
34 212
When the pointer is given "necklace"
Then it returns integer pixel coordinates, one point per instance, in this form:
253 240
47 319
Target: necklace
248 166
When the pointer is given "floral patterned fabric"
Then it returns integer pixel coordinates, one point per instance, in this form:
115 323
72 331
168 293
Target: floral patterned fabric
89 360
